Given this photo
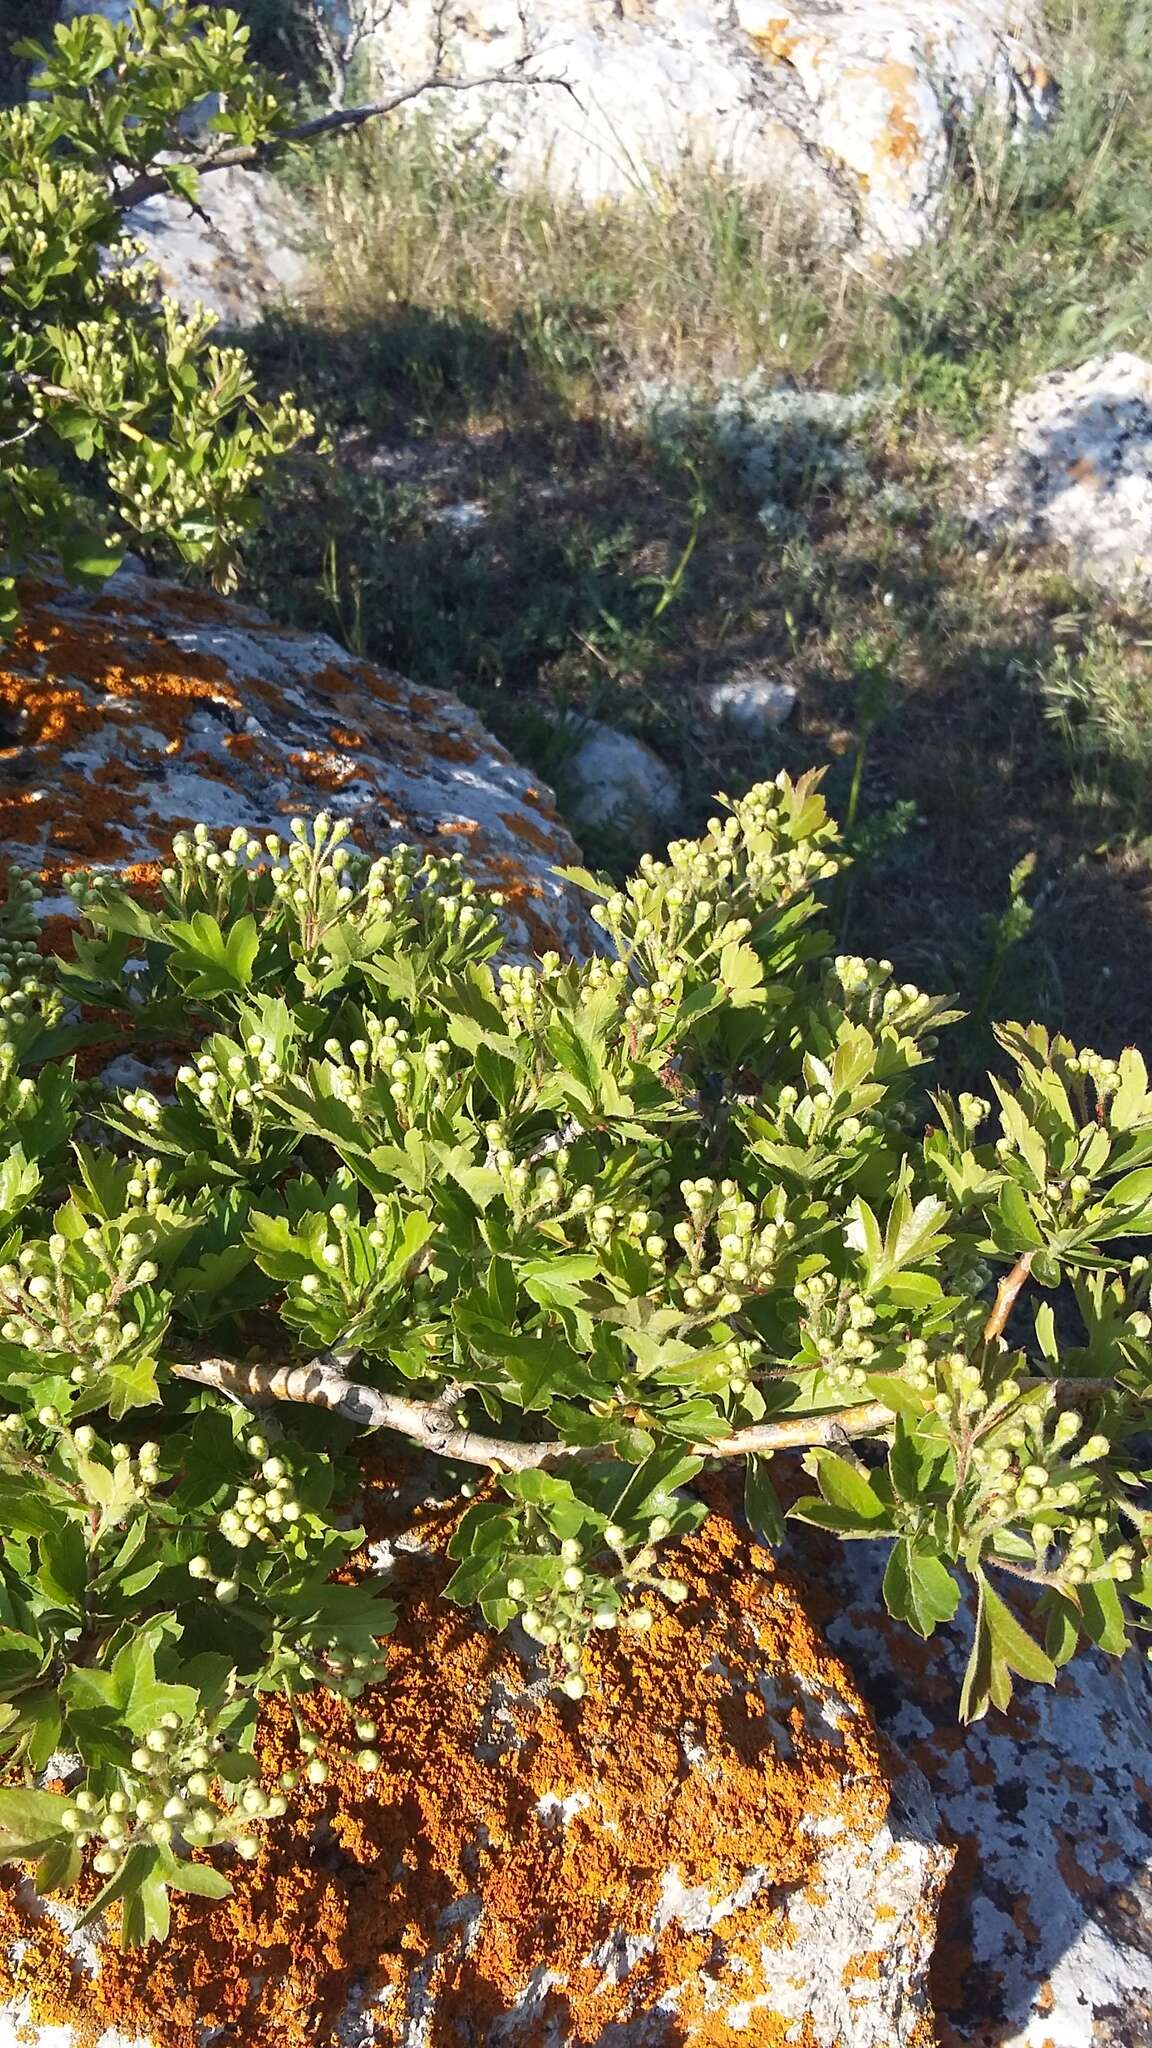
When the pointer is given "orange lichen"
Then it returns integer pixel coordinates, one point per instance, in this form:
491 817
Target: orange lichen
777 38
325 771
532 834
902 141
351 1888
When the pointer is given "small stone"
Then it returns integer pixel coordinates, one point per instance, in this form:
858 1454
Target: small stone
614 780
757 704
1079 470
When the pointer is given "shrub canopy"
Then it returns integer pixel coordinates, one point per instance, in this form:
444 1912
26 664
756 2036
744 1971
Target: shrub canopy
119 416
591 1226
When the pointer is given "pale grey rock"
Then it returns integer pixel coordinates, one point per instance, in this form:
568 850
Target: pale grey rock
1050 1806
240 255
849 109
611 779
845 112
757 704
886 81
1078 471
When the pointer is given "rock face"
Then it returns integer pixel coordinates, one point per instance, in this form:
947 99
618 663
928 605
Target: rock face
711 1847
886 80
848 110
242 253
129 715
1046 1929
1079 471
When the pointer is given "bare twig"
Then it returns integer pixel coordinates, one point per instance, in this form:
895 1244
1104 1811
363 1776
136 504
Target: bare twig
248 155
1006 1295
1021 1571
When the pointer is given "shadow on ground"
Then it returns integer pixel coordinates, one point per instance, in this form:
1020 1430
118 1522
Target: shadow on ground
496 527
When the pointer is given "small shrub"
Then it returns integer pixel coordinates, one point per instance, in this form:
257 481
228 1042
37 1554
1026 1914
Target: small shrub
786 446
118 416
588 1227
1100 701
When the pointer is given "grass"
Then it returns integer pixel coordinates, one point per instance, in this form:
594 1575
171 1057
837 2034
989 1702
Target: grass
503 512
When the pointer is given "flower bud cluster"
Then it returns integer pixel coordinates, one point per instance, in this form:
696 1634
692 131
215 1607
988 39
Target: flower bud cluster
1028 1470
51 1309
837 1320
26 988
654 1005
263 1513
317 1768
870 996
170 1797
529 996
1086 1065
559 1610
707 891
731 1248
540 1187
228 1084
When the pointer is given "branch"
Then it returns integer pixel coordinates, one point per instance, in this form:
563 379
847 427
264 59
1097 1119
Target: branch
1006 1295
322 1384
250 154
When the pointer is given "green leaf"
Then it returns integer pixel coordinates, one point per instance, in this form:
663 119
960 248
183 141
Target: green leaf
19 1179
90 559
1061 1627
761 1501
1001 1647
29 1822
59 1867
1016 1228
845 1487
741 974
918 1588
1021 1654
199 1878
1103 1613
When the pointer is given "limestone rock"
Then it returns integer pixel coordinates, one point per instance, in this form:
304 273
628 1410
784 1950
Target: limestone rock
1046 1931
241 253
847 108
129 715
1079 470
845 112
886 80
711 1845
614 780
757 704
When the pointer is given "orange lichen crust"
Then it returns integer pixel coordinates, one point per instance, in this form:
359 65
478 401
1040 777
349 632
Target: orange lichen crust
347 1897
121 715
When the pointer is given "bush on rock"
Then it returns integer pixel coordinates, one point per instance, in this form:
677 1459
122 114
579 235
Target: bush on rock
586 1227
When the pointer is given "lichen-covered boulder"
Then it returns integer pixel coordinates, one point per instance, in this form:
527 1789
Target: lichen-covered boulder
848 110
1078 470
127 716
710 1848
1046 1929
886 81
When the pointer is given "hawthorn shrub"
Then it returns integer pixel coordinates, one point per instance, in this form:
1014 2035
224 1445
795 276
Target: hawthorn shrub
588 1227
119 416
